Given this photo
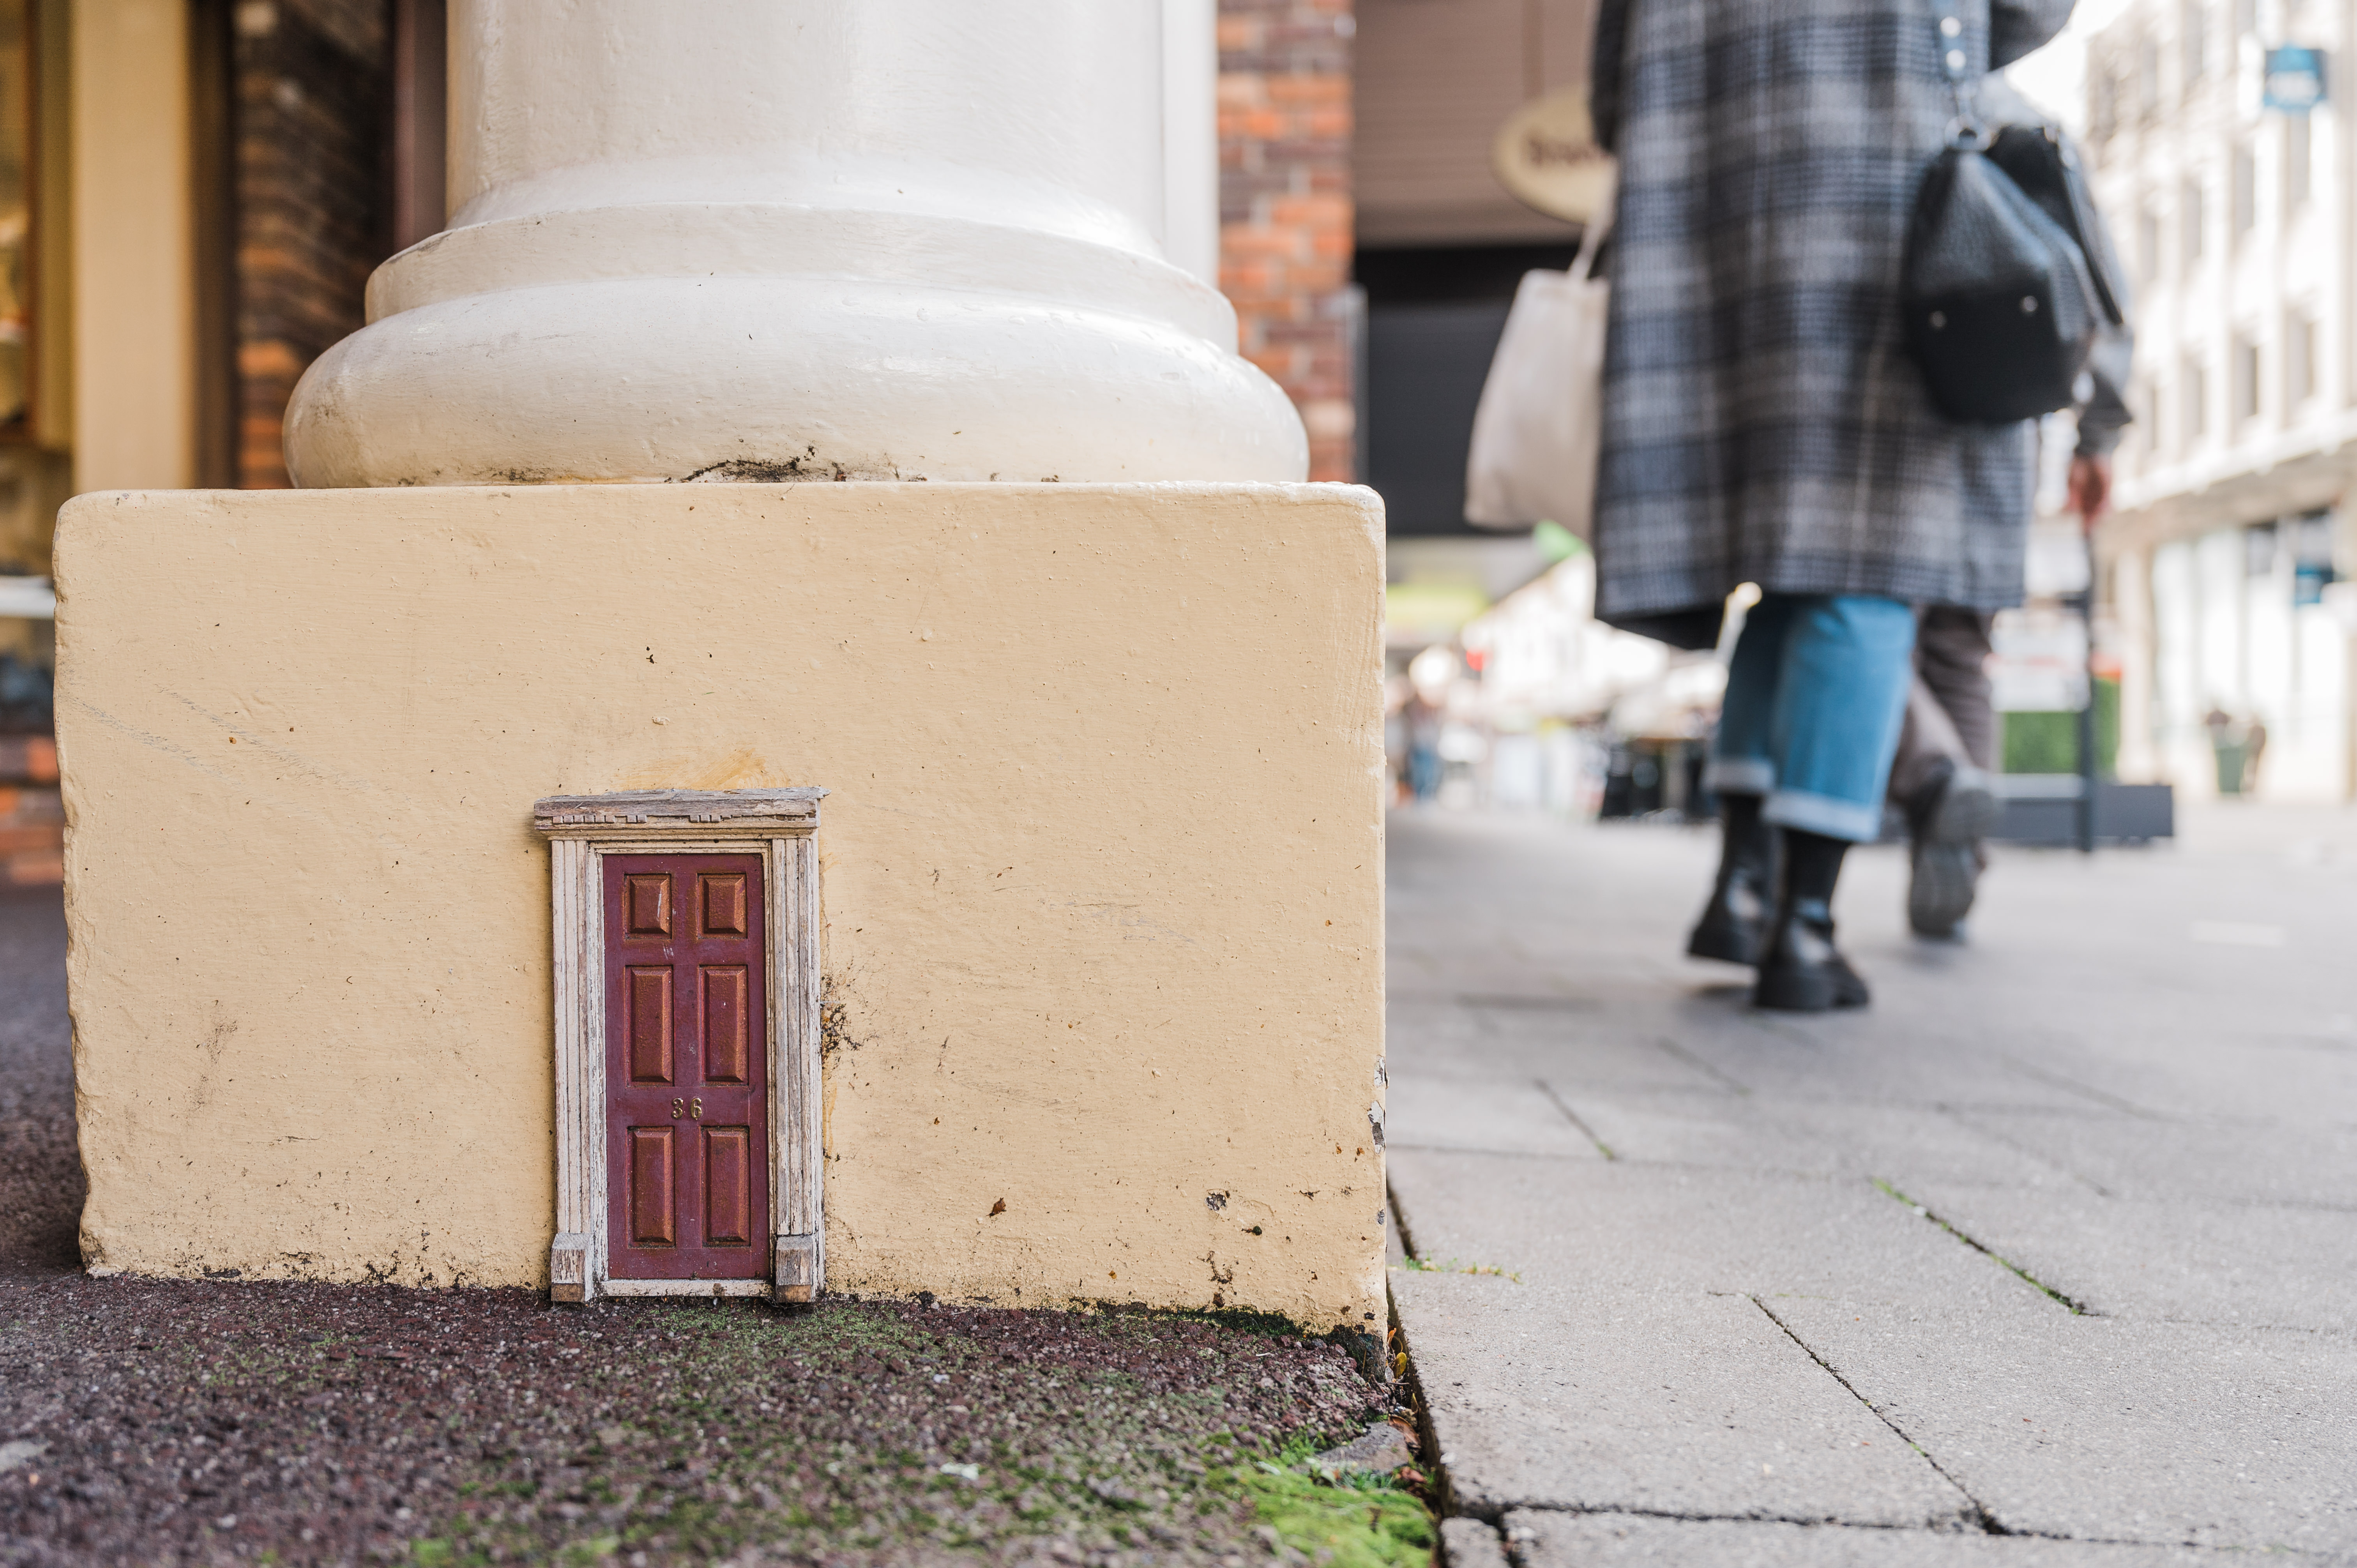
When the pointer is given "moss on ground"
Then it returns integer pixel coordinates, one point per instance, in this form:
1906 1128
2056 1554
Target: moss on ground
195 1422
1345 1521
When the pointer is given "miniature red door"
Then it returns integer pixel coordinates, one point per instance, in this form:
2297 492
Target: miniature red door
687 1130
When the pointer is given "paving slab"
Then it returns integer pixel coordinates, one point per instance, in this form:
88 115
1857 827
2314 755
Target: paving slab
1469 1543
2165 1058
2253 1265
2109 1429
1668 1401
1789 1132
1507 1117
1584 1044
2156 1120
1617 1225
2132 1157
1547 1539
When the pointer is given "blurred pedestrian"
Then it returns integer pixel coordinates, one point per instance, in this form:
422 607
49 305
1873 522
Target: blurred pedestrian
1764 424
1943 778
1423 716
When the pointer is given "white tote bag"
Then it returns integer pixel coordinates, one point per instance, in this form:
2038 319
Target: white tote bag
1535 430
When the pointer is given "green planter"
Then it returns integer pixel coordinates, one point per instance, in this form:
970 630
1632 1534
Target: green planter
2049 743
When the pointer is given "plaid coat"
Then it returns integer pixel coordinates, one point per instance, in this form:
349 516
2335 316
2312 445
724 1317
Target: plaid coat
1762 419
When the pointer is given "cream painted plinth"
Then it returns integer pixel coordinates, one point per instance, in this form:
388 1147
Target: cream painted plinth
1100 868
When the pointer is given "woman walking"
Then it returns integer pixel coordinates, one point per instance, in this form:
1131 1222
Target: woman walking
1763 423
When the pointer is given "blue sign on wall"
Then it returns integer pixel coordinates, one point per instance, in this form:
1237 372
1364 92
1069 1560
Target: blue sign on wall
2295 80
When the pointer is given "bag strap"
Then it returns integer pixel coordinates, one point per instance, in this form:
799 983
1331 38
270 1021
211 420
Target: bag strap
1966 130
1591 240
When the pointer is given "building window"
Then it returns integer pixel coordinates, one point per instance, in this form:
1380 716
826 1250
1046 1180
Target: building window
2193 403
2245 195
2299 358
2246 380
2246 17
2147 243
2311 557
2190 220
2296 162
2259 550
2147 56
2194 33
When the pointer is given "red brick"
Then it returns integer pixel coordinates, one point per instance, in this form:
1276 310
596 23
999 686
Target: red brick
1249 242
1299 89
1266 124
1316 211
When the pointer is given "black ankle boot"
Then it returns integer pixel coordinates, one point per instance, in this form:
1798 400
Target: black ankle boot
1737 915
1799 969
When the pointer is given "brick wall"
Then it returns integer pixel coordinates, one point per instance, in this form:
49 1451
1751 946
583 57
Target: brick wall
310 81
1285 206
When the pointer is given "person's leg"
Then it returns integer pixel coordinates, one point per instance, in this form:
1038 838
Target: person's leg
1840 696
1843 692
1951 800
1929 746
1740 773
1953 653
1742 756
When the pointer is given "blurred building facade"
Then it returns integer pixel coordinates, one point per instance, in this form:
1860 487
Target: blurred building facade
193 194
1441 245
2231 195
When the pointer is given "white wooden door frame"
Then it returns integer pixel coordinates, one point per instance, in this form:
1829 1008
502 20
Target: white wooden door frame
780 825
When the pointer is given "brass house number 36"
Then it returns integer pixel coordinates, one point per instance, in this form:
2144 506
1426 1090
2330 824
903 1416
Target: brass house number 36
694 1108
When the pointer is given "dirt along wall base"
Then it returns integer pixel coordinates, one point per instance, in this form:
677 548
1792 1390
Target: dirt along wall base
1100 866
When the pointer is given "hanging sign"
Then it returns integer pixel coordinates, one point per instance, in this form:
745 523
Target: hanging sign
1545 155
2295 80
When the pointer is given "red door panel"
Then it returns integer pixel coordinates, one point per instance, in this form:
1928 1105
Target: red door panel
687 1068
723 903
650 1026
726 1043
655 1212
728 1186
649 907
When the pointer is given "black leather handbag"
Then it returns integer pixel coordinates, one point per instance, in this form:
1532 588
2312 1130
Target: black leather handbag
2001 302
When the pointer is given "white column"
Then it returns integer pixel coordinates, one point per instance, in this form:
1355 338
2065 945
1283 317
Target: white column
797 239
1190 136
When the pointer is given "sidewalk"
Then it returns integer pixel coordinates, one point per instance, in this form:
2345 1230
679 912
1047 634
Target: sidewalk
2048 1258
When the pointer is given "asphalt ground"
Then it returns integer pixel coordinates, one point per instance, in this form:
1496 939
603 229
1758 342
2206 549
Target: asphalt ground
219 1421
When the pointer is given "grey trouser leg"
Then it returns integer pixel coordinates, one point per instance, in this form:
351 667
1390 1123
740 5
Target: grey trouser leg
1948 711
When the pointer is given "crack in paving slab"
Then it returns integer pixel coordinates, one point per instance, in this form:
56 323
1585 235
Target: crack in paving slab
1695 1061
2076 1308
1979 1514
1574 1118
1962 1117
2101 1097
